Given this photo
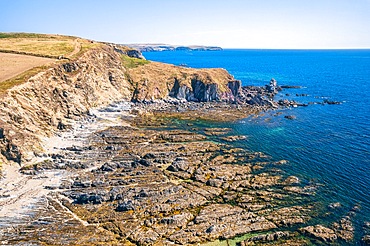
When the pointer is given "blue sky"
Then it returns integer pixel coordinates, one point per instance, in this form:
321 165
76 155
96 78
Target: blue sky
226 23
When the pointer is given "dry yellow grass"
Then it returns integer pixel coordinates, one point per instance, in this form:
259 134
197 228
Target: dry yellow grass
46 45
42 45
26 52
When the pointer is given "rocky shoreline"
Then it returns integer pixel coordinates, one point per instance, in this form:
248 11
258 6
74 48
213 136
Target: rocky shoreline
147 175
143 171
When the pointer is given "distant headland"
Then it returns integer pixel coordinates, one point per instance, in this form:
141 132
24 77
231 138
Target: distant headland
168 47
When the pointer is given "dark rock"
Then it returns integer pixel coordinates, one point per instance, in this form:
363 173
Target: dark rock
326 101
1 133
366 239
81 184
74 149
210 229
203 92
12 152
235 88
94 198
291 86
57 156
215 182
290 117
145 162
179 164
149 156
135 54
69 67
126 206
272 87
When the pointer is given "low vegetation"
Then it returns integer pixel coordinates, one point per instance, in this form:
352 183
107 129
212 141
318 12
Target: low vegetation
21 78
131 62
51 46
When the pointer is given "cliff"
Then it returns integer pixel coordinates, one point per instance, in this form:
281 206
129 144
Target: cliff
52 99
168 47
158 80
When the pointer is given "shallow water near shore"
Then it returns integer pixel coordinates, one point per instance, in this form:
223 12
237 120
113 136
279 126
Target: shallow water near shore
325 144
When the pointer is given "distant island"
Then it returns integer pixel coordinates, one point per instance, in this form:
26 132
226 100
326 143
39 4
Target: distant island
168 47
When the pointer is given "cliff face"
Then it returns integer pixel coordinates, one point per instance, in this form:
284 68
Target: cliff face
157 80
52 99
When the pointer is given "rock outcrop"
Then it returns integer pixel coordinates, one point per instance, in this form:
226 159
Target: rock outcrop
156 80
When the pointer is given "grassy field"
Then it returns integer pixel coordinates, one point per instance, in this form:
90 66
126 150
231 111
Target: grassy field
20 54
37 44
45 45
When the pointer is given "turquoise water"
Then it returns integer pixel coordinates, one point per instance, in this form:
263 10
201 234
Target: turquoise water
327 144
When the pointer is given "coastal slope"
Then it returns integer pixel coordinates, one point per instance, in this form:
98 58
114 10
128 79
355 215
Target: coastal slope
62 92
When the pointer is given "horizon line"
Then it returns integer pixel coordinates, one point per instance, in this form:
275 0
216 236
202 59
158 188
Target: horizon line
326 48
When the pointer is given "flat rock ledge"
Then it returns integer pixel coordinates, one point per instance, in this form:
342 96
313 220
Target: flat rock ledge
158 180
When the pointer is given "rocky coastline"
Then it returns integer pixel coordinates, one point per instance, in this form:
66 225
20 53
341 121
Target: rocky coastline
137 175
142 171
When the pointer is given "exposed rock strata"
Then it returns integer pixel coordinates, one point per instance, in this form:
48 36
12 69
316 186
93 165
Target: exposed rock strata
166 187
51 100
57 96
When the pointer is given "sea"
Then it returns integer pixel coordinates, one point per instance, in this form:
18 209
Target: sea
325 144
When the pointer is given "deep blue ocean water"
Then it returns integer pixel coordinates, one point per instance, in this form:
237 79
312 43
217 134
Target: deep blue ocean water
326 144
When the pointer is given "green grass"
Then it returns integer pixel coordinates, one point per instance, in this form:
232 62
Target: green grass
130 62
21 78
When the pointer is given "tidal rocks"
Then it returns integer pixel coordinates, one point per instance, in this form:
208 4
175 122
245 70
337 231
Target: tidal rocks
320 232
272 86
290 117
155 183
344 228
366 239
291 86
234 138
335 205
269 237
327 101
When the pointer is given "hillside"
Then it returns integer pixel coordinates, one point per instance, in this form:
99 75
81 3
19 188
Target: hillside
43 100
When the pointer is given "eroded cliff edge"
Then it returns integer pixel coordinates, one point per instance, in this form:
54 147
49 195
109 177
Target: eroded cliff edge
52 99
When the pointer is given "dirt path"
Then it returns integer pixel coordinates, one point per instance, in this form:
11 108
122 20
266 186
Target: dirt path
14 64
76 49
